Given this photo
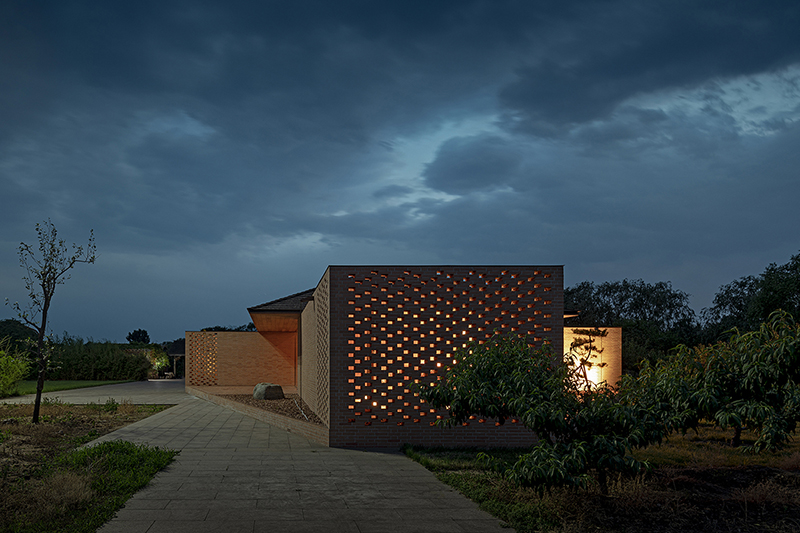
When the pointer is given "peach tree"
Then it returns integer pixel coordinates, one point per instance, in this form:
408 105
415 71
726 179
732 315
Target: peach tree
584 432
751 381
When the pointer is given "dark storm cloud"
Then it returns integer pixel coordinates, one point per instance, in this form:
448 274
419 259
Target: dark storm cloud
468 164
616 51
392 191
210 143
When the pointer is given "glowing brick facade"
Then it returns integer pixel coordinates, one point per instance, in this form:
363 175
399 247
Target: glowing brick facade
389 327
366 334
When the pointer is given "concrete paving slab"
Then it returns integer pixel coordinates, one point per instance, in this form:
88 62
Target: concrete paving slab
237 474
154 391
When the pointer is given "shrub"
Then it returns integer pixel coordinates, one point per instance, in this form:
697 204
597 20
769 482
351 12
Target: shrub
582 428
13 368
79 360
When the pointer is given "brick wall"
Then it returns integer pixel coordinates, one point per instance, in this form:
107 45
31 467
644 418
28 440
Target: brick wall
607 365
392 326
226 358
314 356
201 358
307 370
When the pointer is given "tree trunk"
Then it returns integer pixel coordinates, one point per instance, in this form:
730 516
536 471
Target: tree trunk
602 479
737 437
39 389
42 356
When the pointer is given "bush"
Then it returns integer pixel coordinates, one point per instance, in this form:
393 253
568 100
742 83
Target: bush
583 429
13 368
75 359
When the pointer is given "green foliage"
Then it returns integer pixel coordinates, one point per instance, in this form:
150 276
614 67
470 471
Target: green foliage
13 367
654 317
611 302
582 428
75 359
20 335
138 336
160 360
115 471
747 302
752 380
244 327
667 389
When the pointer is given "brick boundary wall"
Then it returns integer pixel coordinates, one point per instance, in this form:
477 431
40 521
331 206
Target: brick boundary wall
391 326
201 358
223 358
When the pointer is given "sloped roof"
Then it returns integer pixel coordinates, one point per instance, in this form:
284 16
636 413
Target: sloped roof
294 302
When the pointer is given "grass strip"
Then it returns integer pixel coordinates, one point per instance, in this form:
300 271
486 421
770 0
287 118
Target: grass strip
29 386
698 482
80 490
521 508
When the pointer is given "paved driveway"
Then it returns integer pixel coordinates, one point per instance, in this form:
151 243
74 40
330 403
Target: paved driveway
236 474
156 391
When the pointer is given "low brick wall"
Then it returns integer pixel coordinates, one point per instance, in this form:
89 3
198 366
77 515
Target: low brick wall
230 358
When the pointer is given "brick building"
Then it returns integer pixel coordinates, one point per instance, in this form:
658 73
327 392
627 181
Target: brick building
353 346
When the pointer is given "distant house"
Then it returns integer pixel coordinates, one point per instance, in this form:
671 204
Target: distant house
353 346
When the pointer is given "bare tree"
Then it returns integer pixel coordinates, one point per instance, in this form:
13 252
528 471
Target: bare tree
43 272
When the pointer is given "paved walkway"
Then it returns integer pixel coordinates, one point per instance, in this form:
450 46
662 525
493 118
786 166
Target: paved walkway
237 474
156 391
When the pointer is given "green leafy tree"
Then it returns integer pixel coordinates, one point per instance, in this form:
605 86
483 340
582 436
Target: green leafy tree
747 302
752 380
138 336
582 428
655 317
20 336
779 289
44 271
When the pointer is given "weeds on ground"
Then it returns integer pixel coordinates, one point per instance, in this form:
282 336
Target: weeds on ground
697 483
47 484
80 490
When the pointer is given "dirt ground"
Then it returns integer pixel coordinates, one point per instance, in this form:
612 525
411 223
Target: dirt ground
292 406
750 499
25 446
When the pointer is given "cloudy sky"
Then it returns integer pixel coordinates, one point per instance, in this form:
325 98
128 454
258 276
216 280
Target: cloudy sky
225 153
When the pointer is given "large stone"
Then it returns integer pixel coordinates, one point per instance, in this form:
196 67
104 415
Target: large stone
268 391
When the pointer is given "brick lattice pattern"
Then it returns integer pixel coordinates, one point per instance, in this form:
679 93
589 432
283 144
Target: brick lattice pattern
322 311
201 358
394 326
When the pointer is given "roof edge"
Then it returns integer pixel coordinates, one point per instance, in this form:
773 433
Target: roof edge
298 296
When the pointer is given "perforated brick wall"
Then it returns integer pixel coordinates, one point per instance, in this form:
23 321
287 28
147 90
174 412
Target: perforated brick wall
201 358
322 309
392 326
225 358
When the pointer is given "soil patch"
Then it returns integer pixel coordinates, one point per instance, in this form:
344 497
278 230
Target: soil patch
709 499
24 447
292 406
